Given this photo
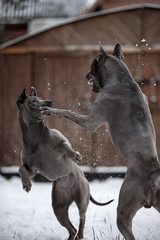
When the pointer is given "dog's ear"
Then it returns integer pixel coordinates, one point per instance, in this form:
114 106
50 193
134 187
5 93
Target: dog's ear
33 92
101 50
21 98
118 52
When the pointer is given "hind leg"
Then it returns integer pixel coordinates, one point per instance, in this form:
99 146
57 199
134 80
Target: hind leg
156 193
62 216
82 212
157 201
61 200
82 202
130 201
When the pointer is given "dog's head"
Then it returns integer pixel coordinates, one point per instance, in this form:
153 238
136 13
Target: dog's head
103 66
30 105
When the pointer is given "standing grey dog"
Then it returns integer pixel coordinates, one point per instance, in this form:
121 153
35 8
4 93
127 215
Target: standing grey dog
123 108
45 150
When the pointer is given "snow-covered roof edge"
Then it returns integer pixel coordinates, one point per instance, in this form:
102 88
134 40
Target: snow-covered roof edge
76 19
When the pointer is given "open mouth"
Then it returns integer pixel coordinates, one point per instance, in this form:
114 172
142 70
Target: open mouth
90 81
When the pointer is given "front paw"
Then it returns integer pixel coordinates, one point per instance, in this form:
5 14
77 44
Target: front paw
46 110
78 157
27 185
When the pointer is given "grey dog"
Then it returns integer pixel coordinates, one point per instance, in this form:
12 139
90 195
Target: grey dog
123 108
49 152
45 150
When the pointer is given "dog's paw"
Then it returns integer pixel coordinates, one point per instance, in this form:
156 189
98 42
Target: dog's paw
27 185
72 237
78 157
77 238
45 110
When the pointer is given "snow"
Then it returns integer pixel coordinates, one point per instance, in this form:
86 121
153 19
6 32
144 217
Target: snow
29 216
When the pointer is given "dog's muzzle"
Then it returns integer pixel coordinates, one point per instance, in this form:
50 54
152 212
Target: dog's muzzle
48 103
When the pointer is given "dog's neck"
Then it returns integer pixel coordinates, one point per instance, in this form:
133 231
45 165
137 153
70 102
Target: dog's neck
123 83
32 132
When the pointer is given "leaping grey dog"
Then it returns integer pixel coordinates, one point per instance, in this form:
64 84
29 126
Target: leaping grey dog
123 108
45 150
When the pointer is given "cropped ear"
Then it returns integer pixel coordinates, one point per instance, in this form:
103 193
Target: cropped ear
101 50
118 52
21 98
33 92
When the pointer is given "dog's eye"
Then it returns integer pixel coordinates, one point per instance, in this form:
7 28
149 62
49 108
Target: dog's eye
34 101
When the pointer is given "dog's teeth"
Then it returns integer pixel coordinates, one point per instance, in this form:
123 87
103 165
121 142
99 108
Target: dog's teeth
90 81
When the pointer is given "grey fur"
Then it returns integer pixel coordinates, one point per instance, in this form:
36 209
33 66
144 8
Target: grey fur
123 108
72 188
45 150
49 152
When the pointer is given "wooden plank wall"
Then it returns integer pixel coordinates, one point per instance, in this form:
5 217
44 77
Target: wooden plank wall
60 76
62 79
15 70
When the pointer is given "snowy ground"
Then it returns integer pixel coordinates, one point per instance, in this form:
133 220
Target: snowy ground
30 217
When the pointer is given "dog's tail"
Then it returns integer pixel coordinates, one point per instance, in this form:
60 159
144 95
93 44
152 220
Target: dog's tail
98 203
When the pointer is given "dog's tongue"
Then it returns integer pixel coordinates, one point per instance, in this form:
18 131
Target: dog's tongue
90 81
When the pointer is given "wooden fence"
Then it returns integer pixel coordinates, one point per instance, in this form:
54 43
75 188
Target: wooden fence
61 78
